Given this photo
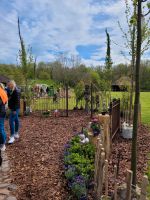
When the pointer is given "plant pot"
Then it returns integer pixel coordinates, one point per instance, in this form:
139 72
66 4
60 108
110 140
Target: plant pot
28 110
127 131
83 198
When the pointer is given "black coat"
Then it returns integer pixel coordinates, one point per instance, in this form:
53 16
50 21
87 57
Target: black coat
2 109
14 100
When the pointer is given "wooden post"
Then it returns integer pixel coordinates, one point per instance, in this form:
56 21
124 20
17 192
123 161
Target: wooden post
100 176
115 184
144 185
67 101
97 157
105 121
129 185
98 167
107 136
106 178
21 107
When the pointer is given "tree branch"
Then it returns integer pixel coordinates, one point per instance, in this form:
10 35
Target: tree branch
147 13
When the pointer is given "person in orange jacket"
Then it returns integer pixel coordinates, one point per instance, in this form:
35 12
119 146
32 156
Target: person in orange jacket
3 101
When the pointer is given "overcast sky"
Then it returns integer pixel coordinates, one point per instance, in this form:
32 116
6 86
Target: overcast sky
70 26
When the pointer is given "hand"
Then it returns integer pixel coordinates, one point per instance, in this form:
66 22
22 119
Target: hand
14 112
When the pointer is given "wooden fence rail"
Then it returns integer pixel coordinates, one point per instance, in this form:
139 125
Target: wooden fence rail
101 177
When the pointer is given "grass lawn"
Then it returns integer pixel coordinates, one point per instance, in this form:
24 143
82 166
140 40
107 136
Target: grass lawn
145 105
47 104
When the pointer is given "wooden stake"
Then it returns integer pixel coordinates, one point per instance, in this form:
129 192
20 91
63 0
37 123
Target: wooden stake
115 185
106 178
129 184
97 157
145 183
100 176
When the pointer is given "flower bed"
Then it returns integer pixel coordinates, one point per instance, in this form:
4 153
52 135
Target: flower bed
79 166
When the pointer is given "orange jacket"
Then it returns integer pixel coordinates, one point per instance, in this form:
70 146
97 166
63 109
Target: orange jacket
3 96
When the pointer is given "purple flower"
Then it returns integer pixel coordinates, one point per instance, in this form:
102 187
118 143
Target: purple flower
79 179
67 146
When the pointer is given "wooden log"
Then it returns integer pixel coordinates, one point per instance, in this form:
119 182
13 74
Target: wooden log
98 149
100 176
107 142
129 185
21 107
144 185
104 120
97 166
115 182
106 178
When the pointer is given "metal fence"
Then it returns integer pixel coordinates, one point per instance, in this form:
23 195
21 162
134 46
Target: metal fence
115 117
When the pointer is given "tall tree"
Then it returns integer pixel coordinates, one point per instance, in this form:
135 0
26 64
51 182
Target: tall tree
137 88
108 60
25 58
23 54
130 43
108 65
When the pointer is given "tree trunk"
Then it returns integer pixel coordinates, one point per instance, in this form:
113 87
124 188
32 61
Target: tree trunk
34 69
132 70
137 95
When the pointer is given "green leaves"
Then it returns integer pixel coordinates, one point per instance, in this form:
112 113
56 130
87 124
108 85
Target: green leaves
79 164
133 20
148 5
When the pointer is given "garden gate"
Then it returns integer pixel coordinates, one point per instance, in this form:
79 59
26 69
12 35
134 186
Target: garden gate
52 105
115 117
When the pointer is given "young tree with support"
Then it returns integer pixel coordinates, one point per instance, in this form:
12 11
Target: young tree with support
130 44
137 87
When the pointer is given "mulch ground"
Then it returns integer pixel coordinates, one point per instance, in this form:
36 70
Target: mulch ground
37 158
123 147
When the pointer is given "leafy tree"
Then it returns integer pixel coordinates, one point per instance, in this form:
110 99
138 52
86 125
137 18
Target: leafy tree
79 92
130 42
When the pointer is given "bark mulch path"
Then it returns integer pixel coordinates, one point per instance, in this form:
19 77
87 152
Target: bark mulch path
36 159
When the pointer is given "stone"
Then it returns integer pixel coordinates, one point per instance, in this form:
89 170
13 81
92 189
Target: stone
5 169
2 197
4 185
12 187
11 198
4 191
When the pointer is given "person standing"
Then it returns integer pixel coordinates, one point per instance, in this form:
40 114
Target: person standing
3 101
14 106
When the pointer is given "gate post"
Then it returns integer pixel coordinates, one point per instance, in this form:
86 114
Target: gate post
67 101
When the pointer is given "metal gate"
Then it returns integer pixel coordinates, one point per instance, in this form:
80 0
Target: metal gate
53 105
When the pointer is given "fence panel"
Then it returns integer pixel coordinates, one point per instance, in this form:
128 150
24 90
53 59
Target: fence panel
115 117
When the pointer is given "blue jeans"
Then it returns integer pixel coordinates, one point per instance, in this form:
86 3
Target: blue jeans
2 131
14 122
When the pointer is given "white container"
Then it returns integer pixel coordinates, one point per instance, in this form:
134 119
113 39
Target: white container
127 131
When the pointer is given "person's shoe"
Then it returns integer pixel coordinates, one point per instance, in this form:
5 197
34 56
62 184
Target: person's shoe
11 140
3 148
16 136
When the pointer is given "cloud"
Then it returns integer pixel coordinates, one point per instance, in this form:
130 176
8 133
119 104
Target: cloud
76 27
